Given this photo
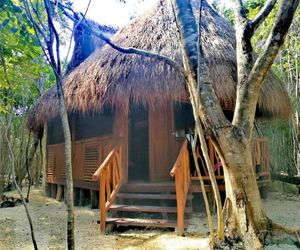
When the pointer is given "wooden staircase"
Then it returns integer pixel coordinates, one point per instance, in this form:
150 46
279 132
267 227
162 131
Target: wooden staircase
146 205
143 204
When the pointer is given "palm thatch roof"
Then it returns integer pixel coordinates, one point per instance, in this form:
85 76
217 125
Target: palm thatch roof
85 42
110 77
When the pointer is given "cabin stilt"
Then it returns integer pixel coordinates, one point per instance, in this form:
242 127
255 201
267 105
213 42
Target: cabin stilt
94 199
59 193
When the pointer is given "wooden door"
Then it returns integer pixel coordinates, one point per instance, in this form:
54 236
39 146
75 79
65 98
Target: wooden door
160 143
138 140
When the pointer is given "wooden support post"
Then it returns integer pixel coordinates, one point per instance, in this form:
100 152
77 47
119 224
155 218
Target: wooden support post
81 197
53 190
94 199
47 189
59 192
102 202
76 196
87 196
180 209
50 190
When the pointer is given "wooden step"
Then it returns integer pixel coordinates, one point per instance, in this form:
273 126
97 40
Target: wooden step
150 209
142 222
148 187
150 196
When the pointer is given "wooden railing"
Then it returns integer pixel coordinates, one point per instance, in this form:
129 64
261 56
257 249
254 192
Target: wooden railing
181 172
110 176
260 158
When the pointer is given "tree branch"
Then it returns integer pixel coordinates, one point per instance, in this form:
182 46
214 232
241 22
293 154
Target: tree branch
274 42
262 15
38 32
240 11
243 41
186 23
53 31
36 27
37 14
74 29
129 50
248 91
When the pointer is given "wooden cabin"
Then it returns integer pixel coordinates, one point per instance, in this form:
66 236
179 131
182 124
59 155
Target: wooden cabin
131 122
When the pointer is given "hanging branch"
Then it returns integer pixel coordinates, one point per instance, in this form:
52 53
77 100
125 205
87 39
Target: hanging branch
195 97
207 208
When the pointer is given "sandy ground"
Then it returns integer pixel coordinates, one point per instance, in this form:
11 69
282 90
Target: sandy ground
49 217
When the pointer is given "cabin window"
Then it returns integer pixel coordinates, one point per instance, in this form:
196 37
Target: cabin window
55 131
184 119
93 125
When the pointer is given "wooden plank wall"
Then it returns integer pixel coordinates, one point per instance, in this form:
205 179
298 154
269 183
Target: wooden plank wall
87 155
260 153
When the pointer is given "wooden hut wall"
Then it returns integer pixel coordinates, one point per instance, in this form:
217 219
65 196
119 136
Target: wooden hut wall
87 153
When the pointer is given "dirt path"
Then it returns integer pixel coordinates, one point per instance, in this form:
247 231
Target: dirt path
49 217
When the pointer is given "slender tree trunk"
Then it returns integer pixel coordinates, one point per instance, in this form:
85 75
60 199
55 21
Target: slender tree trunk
29 160
27 166
68 168
19 190
208 212
195 74
44 160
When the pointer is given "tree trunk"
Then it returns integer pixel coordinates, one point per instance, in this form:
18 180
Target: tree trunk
244 212
44 160
68 167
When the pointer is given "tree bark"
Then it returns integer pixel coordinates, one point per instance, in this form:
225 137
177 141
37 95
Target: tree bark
244 212
196 79
29 160
44 160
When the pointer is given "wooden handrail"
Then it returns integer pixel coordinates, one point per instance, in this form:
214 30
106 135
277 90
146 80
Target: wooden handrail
181 172
104 165
110 176
260 156
179 158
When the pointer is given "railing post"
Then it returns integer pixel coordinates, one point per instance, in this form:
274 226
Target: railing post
181 172
109 175
180 206
102 202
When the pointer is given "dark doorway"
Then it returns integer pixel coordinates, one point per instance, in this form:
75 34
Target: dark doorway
138 165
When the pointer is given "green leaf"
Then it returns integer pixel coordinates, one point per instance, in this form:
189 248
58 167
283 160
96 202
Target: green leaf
13 30
5 22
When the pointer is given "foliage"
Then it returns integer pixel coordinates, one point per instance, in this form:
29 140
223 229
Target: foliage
23 58
287 68
22 71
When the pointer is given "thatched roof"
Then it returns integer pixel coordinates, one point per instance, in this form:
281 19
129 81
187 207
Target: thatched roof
108 76
85 43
